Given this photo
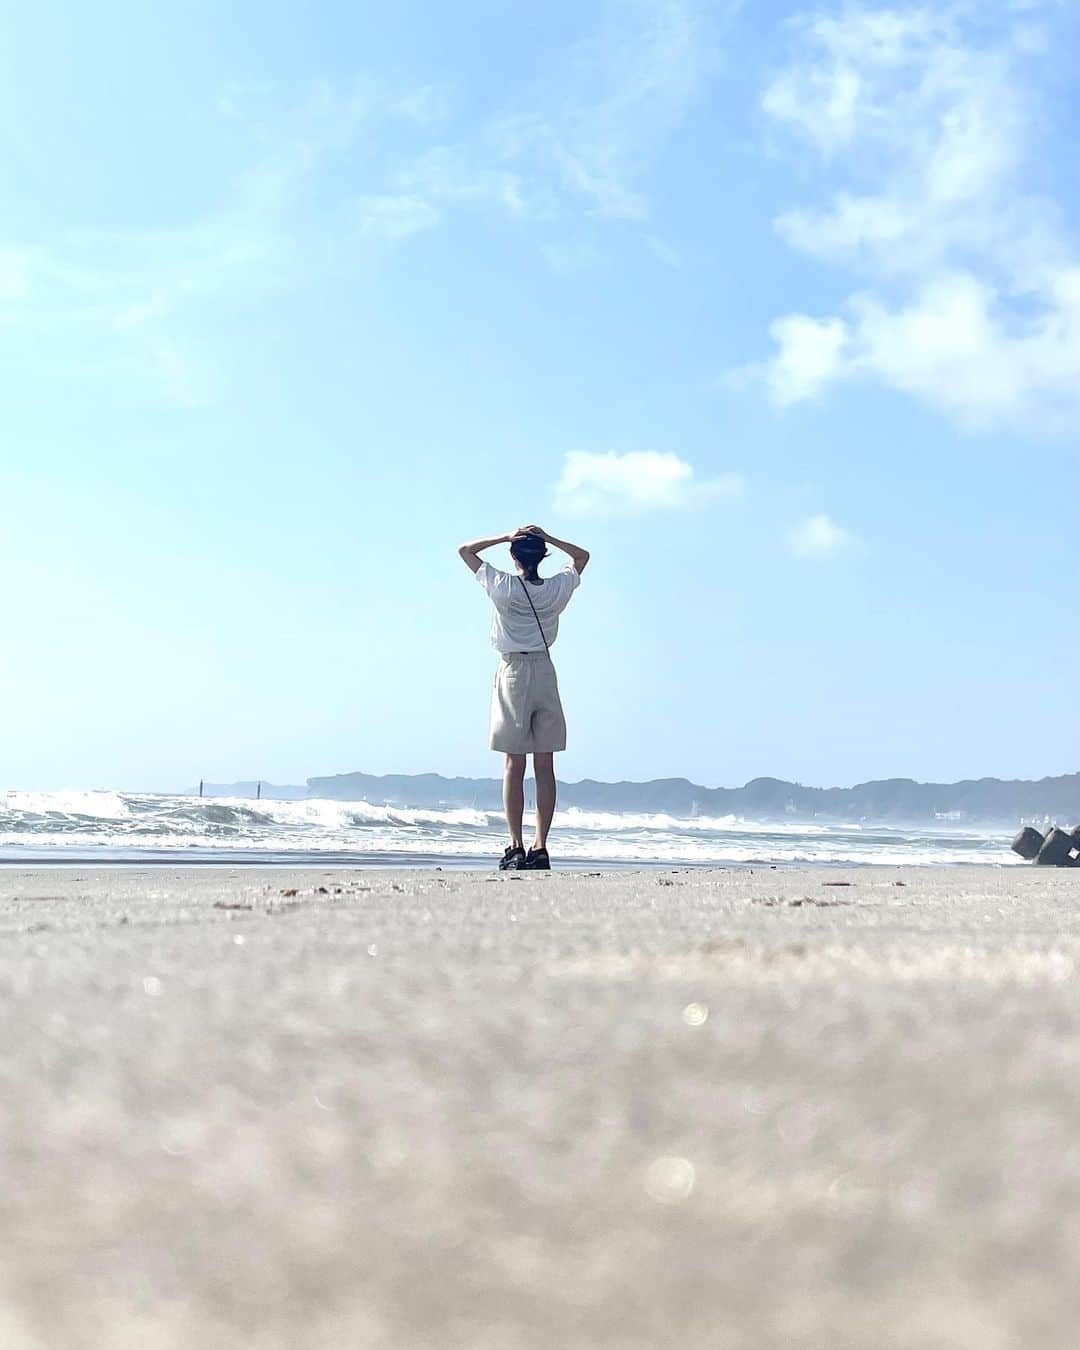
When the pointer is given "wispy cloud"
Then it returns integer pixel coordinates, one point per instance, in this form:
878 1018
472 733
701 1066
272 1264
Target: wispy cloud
135 296
580 144
567 159
966 293
639 81
640 480
817 538
471 173
390 216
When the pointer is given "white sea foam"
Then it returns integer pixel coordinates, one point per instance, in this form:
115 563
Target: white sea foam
92 821
98 804
573 817
363 813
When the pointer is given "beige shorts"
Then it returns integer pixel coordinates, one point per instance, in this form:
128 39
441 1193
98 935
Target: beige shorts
526 712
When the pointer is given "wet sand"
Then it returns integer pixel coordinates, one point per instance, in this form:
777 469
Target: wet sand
356 1110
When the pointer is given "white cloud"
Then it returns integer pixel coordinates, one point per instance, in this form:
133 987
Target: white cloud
139 299
817 538
462 175
827 97
958 345
640 480
965 284
583 139
395 216
636 83
955 344
810 355
351 165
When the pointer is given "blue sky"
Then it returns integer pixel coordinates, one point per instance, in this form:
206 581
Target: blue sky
774 308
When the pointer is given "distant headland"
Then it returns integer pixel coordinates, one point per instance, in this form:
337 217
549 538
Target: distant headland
899 800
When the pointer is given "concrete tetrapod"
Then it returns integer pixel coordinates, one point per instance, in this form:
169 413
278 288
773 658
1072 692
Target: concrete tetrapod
1059 850
1027 843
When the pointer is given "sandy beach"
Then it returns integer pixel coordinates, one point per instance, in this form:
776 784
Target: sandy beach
383 1110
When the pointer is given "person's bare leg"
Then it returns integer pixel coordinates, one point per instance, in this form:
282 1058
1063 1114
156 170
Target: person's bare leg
544 769
514 796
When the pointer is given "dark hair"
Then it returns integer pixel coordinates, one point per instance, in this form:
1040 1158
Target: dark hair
529 550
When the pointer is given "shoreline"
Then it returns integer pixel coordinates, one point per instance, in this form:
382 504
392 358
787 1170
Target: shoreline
58 856
444 863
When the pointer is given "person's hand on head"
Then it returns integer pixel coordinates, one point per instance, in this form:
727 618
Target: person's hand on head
530 529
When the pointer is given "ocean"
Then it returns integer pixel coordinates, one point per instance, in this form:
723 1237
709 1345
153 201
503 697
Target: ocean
133 827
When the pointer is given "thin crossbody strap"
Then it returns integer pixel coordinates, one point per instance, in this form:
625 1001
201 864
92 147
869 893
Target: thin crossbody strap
535 615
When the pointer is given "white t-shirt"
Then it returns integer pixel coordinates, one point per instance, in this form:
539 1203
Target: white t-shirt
513 627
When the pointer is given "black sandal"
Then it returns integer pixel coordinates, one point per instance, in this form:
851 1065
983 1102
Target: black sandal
513 860
537 860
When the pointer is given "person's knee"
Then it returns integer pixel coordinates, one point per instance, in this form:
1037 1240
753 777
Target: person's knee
515 766
544 765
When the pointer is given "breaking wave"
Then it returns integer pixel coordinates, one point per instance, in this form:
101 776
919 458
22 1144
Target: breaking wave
130 825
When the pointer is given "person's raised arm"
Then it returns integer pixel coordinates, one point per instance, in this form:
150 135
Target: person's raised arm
470 553
578 556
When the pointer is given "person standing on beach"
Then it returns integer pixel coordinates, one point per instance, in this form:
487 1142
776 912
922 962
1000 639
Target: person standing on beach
526 711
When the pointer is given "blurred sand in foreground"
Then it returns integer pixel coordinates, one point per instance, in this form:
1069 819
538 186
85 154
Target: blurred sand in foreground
364 1110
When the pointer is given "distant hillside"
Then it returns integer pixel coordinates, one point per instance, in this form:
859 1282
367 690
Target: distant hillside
983 800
